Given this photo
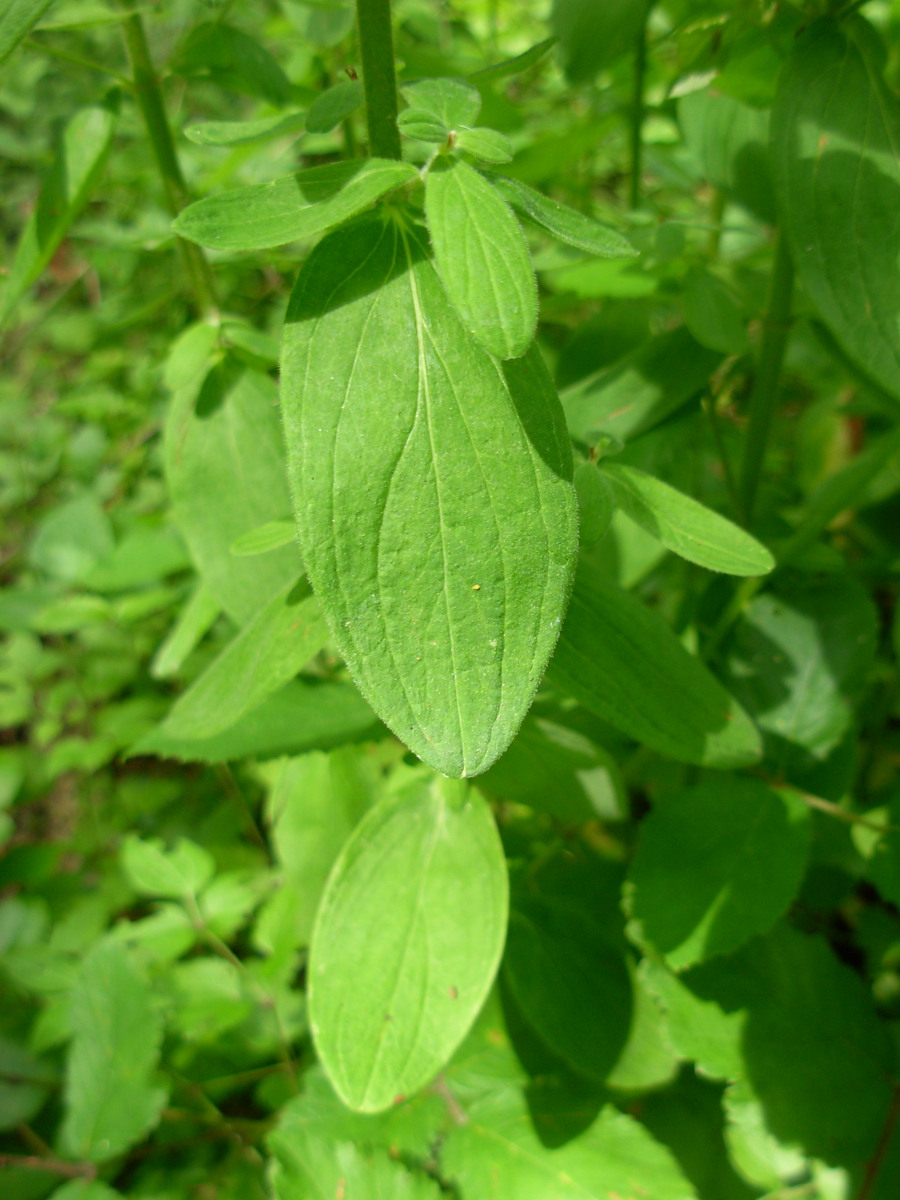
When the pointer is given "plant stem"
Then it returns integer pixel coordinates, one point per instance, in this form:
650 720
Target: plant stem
873 1166
150 101
376 47
764 396
637 118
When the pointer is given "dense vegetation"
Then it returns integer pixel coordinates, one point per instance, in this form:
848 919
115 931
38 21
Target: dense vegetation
332 886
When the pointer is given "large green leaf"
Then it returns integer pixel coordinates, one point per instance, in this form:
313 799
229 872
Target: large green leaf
309 1168
730 142
226 476
406 942
835 137
482 258
624 663
75 173
17 19
684 525
267 652
593 35
111 1102
433 496
563 223
286 210
703 854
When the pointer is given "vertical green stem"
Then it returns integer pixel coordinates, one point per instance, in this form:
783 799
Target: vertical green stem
764 396
376 45
149 99
637 118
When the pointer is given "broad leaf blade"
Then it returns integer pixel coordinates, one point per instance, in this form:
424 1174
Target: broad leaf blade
297 206
433 496
835 137
17 19
685 526
407 942
593 35
265 655
309 1167
563 223
75 173
110 1102
482 258
453 101
622 661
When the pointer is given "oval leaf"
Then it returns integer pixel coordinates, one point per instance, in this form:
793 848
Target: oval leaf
419 123
242 133
624 663
433 496
452 101
286 210
264 538
482 258
486 144
685 526
407 942
17 19
563 223
835 133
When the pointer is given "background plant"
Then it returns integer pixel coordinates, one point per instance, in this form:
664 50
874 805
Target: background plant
687 854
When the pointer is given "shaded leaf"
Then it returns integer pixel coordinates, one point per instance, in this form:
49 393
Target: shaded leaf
596 505
311 1167
298 206
521 62
482 258
730 142
592 35
17 19
243 133
193 623
231 57
433 496
182 871
563 223
334 105
406 942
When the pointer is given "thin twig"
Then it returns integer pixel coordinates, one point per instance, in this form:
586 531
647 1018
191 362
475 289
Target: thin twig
842 814
873 1166
54 1166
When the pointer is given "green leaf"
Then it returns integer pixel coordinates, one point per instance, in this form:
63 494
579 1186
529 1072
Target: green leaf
72 539
798 661
264 538
702 854
226 475
334 106
486 144
571 984
702 1031
641 389
513 66
71 181
110 1103
433 496
309 1167
623 662
835 133
301 716
228 56
452 101
730 143
422 125
83 1189
243 133
596 506
497 1153
712 315
194 621
183 871
563 223
17 19
482 258
290 209
685 526
407 941
592 36
268 651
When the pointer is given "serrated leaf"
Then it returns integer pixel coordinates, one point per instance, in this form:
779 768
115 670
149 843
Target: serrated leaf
290 209
407 941
182 871
702 854
496 1153
264 538
265 655
452 101
623 662
17 19
109 1098
75 173
301 716
334 105
226 476
684 525
433 496
592 36
486 144
243 133
423 125
563 223
482 258
835 133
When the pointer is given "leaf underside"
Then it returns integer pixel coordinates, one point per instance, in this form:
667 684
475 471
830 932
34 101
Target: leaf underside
432 489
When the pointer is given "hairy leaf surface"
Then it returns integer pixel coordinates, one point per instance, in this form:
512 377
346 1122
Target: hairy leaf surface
286 210
482 258
433 495
406 942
